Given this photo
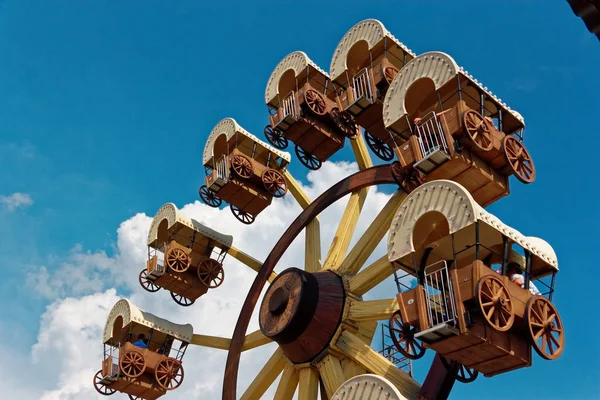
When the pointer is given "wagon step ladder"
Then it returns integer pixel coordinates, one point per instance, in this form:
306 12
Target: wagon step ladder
362 91
432 143
439 300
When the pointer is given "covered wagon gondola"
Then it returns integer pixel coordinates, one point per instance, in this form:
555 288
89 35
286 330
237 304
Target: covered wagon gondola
446 125
466 305
302 107
142 353
242 170
363 65
184 256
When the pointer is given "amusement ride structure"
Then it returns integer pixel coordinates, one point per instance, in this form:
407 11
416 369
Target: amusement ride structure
465 279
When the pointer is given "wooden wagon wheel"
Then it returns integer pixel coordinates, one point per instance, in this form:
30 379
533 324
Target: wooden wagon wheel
275 137
545 327
495 303
209 197
178 260
132 363
463 374
407 178
242 166
210 273
390 73
181 300
478 130
519 160
274 182
131 397
100 387
146 283
344 122
169 373
242 216
307 159
379 147
315 102
403 336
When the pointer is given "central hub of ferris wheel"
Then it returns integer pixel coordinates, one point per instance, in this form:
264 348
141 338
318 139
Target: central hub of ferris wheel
301 311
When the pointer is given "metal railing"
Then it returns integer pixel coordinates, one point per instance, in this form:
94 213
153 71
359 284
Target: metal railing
160 257
221 168
439 296
389 351
431 136
289 105
112 351
362 85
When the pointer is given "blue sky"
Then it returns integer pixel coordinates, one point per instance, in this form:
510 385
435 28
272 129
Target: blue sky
105 107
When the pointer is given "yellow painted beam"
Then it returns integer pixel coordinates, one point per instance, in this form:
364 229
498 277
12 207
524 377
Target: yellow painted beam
214 342
359 147
351 368
366 331
248 260
312 249
255 339
309 384
296 190
266 376
343 235
331 373
287 384
364 355
373 310
371 276
372 236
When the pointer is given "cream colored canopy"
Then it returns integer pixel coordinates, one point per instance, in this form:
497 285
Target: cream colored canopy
172 215
297 61
457 206
370 30
229 127
131 314
440 68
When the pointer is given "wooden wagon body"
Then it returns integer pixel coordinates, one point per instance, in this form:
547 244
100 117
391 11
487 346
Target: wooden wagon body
303 110
461 307
146 373
363 66
445 125
184 256
242 170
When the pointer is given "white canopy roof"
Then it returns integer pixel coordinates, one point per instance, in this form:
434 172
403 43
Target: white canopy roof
172 215
370 30
130 313
456 204
440 68
297 61
229 127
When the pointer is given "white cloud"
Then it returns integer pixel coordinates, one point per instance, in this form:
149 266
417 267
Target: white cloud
16 200
85 285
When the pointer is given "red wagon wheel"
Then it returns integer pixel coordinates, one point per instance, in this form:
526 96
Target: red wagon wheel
146 283
390 73
242 166
379 147
132 363
210 273
463 374
495 303
100 387
181 300
545 328
274 182
169 373
403 336
478 129
518 158
344 122
178 260
242 216
275 137
407 178
307 159
315 101
209 197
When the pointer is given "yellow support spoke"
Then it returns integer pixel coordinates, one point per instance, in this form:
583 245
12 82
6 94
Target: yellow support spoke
372 236
287 384
331 373
359 147
255 339
373 310
343 235
296 190
309 384
371 276
214 342
266 376
312 250
375 363
351 368
366 331
248 260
